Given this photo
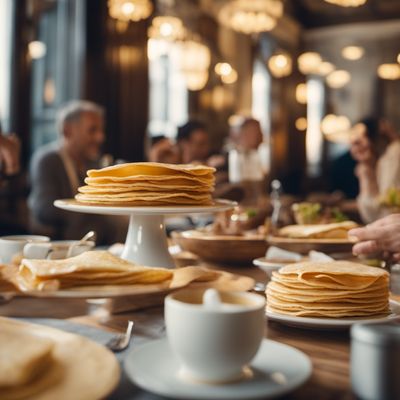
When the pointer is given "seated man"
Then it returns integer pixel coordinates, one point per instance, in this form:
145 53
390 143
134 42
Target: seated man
58 169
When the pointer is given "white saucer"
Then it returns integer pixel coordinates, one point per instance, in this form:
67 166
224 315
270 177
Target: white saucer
278 369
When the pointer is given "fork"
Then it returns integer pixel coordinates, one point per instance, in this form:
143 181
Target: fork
121 341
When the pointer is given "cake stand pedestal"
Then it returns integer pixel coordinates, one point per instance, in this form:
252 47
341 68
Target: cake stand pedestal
146 241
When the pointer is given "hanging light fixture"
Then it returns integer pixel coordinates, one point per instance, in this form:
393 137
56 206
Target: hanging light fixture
301 124
226 72
251 16
389 71
347 3
37 49
280 65
309 62
337 79
336 128
352 52
325 68
130 10
166 28
194 60
301 93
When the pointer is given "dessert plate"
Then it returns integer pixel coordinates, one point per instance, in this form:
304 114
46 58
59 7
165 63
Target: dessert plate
276 370
332 323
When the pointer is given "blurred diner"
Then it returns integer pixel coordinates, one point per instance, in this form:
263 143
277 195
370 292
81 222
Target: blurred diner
59 168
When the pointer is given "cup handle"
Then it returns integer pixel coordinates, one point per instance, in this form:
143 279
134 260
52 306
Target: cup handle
37 251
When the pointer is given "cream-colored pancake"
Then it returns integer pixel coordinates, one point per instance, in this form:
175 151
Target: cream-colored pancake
151 169
93 267
158 180
329 314
337 230
145 188
23 356
330 289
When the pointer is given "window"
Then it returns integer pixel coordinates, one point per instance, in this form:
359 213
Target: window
261 94
168 92
5 62
314 138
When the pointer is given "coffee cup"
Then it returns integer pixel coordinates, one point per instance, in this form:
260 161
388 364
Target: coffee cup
13 246
214 342
57 250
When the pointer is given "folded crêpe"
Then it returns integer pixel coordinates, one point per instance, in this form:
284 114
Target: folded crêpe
330 289
337 230
23 356
7 273
148 184
88 269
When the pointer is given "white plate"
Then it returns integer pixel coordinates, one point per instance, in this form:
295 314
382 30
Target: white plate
73 205
268 266
332 323
278 369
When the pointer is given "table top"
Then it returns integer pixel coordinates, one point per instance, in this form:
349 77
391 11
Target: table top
328 351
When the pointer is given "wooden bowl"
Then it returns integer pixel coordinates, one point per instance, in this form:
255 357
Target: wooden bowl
304 246
222 248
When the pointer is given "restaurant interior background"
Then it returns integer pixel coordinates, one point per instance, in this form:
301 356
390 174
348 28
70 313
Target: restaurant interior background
315 69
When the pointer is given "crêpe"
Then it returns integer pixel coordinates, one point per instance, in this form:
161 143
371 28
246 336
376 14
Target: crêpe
89 268
148 184
337 230
23 356
330 289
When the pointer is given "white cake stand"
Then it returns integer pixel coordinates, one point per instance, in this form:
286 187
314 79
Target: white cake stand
146 242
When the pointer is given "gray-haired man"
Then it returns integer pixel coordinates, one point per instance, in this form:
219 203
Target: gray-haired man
58 169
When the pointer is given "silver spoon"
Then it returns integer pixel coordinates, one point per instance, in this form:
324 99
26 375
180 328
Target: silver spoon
121 342
88 236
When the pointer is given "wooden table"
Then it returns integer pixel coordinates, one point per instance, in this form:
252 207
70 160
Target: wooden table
329 351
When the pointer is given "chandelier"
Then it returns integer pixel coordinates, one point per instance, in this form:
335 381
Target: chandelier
389 71
280 65
194 60
347 3
130 10
337 79
167 28
251 16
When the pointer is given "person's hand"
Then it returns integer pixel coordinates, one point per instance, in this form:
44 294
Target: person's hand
382 235
361 149
9 154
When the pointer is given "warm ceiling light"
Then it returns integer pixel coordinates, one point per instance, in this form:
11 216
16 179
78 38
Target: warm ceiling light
389 71
196 80
280 65
251 16
37 49
336 128
301 93
337 79
352 52
130 10
167 28
347 3
398 58
229 78
325 68
223 69
309 62
194 59
301 124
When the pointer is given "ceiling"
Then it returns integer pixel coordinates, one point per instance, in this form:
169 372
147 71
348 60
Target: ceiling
319 13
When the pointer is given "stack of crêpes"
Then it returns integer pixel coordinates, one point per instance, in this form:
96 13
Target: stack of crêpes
330 289
148 184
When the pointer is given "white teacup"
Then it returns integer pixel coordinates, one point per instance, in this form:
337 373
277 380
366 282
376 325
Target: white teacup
214 343
11 246
57 250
